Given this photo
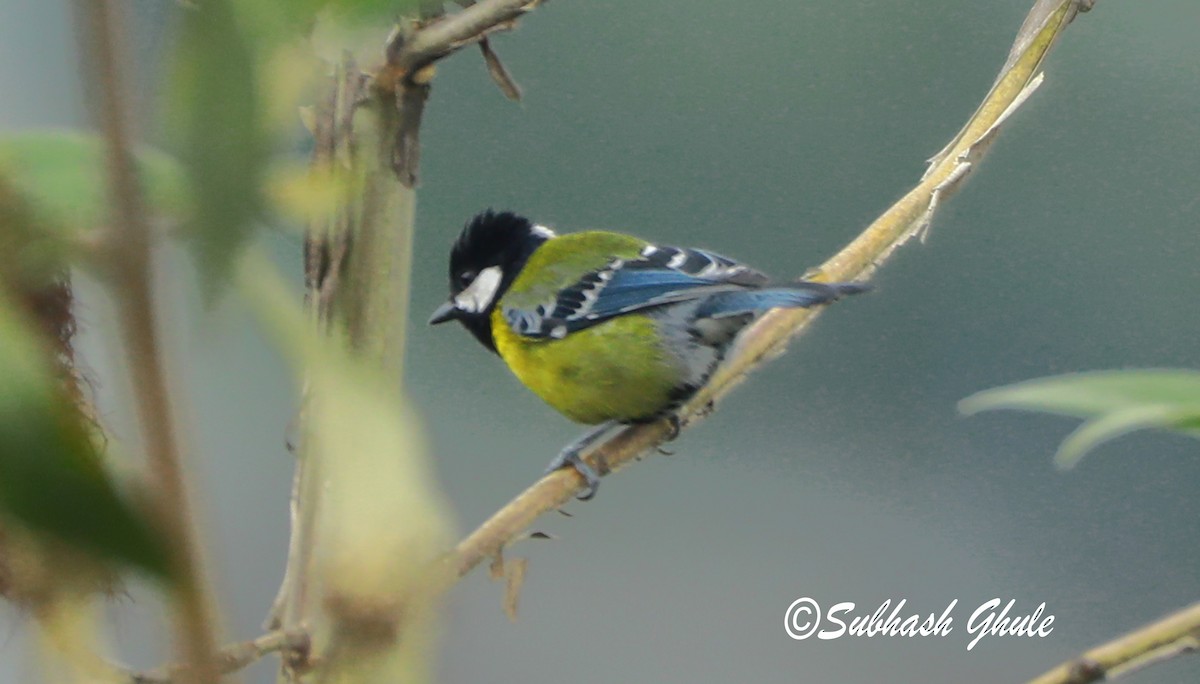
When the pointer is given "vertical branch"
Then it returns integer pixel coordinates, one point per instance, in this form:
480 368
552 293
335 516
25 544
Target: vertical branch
358 264
354 577
326 245
128 254
372 305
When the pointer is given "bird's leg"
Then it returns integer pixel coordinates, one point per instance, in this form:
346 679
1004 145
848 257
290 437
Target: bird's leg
676 426
572 455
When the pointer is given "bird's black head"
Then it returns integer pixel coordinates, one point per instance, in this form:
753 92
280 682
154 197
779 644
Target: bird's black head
487 257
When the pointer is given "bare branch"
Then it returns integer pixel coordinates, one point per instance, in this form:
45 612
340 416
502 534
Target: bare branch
470 25
768 336
129 270
233 657
1172 636
413 48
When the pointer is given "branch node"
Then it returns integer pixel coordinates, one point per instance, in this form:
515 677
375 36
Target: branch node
1085 671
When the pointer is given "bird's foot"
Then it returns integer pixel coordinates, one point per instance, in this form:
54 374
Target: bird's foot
570 456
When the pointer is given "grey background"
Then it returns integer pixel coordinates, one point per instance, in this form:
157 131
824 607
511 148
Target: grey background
772 132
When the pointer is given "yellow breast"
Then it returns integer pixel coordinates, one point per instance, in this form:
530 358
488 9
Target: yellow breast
616 370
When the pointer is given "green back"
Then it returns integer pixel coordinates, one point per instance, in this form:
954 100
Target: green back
561 261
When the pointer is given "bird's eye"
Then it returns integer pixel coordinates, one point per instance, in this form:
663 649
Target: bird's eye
467 276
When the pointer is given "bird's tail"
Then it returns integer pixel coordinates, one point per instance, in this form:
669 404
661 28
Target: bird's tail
797 295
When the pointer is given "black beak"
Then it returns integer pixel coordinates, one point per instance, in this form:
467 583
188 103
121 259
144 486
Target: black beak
445 312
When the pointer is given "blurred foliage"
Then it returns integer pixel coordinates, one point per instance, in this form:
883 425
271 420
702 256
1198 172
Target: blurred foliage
272 21
53 193
239 74
239 71
1113 403
51 477
53 200
214 121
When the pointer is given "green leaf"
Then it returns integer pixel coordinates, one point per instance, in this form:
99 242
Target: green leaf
60 175
272 22
214 113
362 11
51 477
1084 395
1110 426
1114 402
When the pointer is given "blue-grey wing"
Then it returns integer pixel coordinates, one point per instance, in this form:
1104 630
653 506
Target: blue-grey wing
661 275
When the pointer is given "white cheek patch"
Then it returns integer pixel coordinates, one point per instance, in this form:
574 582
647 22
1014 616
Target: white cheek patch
479 294
543 232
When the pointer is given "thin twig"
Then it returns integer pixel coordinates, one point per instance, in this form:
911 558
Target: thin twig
766 338
465 27
1172 636
231 658
129 251
499 73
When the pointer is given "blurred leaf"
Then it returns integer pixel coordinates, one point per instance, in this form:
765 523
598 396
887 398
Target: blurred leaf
271 21
59 176
308 193
377 10
292 76
1110 426
51 478
215 115
1116 402
289 35
1086 394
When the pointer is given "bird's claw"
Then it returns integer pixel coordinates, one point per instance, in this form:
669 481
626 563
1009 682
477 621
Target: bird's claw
676 426
571 457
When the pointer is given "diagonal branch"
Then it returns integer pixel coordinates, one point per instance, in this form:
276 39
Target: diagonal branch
1174 635
907 217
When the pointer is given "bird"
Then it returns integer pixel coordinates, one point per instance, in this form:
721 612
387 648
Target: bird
606 328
